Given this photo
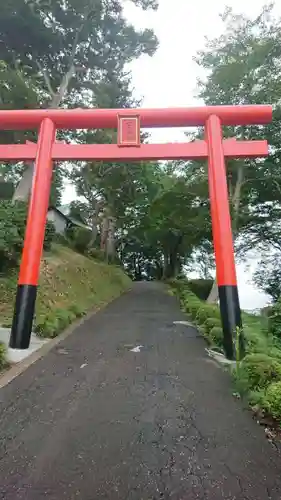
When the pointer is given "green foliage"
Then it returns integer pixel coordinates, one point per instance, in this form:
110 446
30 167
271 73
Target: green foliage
216 336
12 227
210 323
50 234
258 375
201 288
206 316
274 320
62 239
6 190
96 254
257 398
259 370
56 321
203 313
55 39
272 400
77 310
12 231
242 67
80 239
3 361
73 54
268 275
70 285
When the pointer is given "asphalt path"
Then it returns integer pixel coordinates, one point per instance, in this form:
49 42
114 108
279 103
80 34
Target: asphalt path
131 407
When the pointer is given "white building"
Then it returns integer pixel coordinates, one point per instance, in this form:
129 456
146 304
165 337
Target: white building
59 216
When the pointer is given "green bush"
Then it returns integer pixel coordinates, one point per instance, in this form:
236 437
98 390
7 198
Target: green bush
214 311
207 311
192 309
211 323
274 319
272 400
275 352
201 288
3 362
80 239
202 314
258 375
77 310
62 239
50 234
259 370
256 342
12 230
97 254
216 336
57 320
257 398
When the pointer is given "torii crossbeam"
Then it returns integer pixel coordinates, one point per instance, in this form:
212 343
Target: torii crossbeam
129 148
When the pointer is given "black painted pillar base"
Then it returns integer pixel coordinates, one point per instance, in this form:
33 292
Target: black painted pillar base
23 316
231 320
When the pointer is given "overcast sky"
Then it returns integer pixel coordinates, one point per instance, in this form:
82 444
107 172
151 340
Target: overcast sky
168 79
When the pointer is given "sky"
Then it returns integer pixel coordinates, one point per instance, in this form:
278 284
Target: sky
168 79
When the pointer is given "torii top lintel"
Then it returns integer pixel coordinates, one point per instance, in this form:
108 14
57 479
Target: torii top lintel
149 118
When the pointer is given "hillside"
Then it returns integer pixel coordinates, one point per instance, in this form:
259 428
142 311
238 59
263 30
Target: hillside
70 285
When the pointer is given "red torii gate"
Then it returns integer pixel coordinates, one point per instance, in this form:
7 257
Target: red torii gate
129 148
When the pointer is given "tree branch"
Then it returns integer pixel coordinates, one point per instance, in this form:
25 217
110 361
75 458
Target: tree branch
46 79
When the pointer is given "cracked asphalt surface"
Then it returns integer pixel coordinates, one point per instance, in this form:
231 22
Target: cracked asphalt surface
93 420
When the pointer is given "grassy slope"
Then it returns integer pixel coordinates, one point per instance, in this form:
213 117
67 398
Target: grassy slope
67 278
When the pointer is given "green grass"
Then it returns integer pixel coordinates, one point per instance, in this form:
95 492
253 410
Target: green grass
70 285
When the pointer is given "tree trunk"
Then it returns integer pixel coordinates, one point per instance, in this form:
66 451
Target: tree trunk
166 266
174 264
110 244
104 232
94 225
23 188
236 198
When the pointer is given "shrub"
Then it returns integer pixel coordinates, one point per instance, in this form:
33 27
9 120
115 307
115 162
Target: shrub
257 398
258 375
80 238
272 399
47 328
192 309
50 234
216 336
274 320
259 370
256 342
77 310
201 288
207 311
202 314
57 320
12 230
97 254
62 239
214 311
3 362
275 352
211 323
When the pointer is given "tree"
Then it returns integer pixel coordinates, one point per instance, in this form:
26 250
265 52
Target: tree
268 275
68 48
243 68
